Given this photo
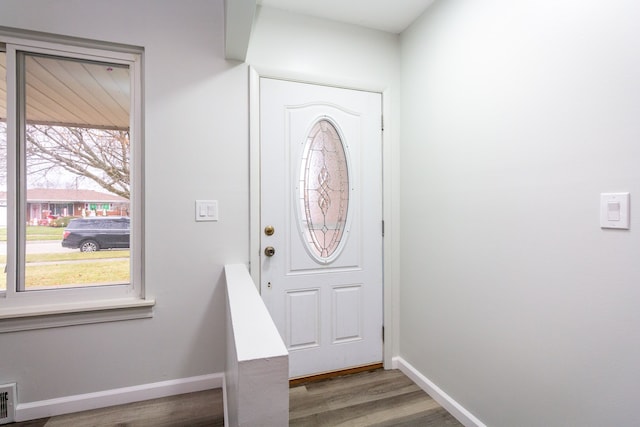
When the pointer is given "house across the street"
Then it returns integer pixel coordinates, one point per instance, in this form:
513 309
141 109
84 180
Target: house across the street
46 203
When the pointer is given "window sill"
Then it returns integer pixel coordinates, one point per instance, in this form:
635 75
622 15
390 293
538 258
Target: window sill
58 315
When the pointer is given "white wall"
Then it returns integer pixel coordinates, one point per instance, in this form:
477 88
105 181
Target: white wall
322 50
196 148
257 374
516 115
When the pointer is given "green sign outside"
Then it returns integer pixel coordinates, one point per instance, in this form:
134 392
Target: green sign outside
94 206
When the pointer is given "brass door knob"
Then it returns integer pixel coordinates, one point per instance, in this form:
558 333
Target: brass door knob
269 251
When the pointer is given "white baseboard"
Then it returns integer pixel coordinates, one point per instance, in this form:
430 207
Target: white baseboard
118 396
446 401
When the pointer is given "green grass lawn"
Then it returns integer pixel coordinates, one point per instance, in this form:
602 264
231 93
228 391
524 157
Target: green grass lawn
92 271
71 256
77 274
37 232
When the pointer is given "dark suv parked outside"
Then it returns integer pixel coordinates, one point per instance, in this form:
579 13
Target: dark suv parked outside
95 233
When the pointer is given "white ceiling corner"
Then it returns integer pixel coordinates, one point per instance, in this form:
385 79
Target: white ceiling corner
392 16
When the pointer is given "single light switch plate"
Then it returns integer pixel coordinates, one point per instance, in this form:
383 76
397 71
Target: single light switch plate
206 210
614 210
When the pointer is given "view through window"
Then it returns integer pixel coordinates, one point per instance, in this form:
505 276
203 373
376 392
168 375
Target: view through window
77 149
73 173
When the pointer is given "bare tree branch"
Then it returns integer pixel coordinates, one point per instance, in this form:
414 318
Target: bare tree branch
97 154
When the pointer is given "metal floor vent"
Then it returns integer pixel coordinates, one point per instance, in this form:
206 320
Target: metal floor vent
7 403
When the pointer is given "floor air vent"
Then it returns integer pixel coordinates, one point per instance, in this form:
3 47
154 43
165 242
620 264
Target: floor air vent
7 403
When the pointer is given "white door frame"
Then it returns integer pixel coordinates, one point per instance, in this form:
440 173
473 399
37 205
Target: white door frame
390 205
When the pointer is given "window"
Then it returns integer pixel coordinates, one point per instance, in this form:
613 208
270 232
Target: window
3 162
70 151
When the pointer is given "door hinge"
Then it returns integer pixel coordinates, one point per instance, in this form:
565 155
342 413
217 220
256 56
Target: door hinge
382 123
383 228
383 334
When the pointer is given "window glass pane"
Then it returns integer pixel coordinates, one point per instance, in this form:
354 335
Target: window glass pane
3 170
324 191
77 154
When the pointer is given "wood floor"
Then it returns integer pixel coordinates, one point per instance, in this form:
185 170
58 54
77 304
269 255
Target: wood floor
379 398
192 409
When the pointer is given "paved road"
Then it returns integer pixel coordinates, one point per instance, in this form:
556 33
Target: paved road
41 247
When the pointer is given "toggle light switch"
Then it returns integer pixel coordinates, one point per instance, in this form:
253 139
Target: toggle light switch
614 210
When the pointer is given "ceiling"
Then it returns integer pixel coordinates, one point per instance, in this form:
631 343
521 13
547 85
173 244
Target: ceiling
392 16
72 92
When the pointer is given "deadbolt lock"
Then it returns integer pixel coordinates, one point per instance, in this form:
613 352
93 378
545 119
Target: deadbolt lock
269 230
269 251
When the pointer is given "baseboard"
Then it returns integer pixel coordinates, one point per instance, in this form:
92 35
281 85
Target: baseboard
446 401
119 396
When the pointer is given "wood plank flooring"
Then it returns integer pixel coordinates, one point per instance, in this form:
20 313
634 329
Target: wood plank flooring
379 398
199 409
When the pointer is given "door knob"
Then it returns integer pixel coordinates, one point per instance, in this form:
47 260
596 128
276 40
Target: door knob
269 230
269 251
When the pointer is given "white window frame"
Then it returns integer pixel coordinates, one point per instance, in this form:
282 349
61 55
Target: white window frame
21 310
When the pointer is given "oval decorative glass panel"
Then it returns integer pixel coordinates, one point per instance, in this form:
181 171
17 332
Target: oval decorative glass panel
324 191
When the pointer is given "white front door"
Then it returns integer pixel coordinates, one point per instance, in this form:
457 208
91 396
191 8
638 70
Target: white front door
321 218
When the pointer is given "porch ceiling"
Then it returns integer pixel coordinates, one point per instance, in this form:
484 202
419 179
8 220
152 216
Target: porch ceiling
72 93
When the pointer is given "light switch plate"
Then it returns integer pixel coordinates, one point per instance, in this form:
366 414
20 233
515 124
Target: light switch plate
206 210
614 210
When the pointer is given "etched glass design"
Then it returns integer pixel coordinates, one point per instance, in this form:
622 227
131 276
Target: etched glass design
324 191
